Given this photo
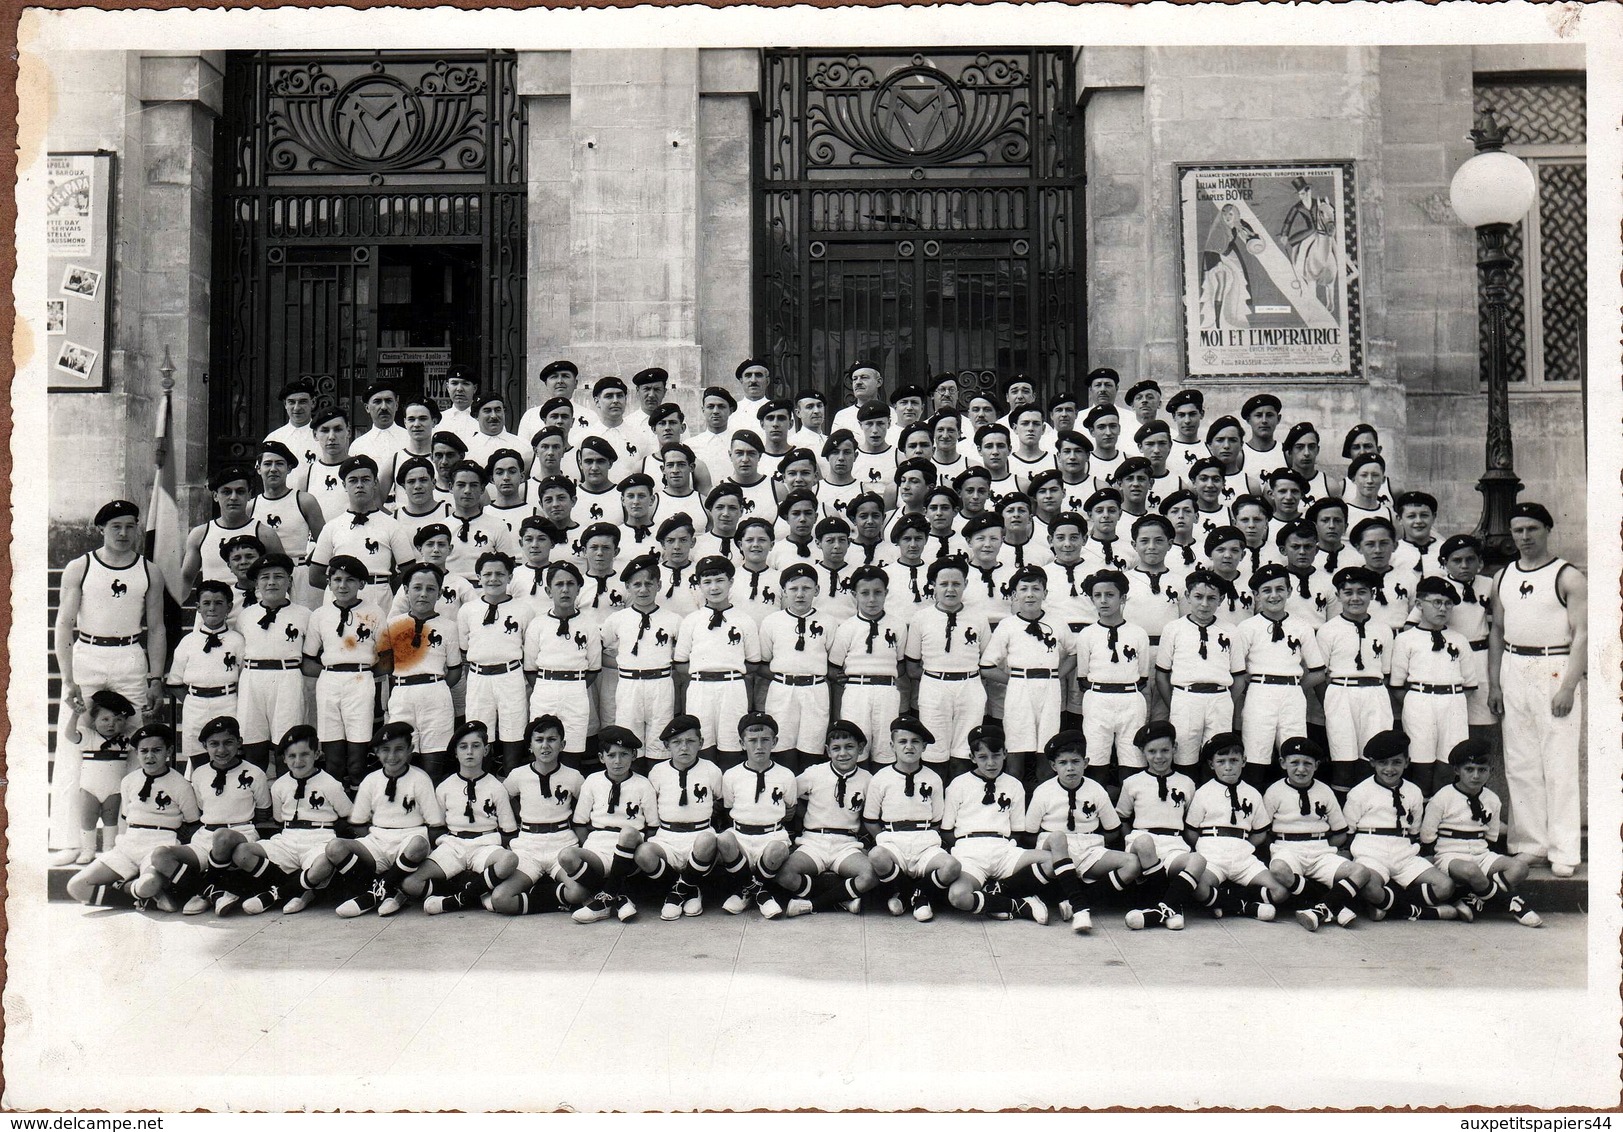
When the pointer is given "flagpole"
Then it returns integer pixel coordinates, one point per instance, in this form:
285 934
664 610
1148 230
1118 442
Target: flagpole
166 383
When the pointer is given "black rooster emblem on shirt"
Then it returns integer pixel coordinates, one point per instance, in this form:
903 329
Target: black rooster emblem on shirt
1525 589
777 795
434 639
1003 803
480 538
291 632
408 803
971 637
1293 644
890 637
230 661
119 588
371 545
362 633
1321 810
633 809
816 630
274 522
1179 798
700 792
595 511
1089 810
562 796
245 781
580 641
1377 648
855 805
661 637
734 637
1223 641
331 482
317 801
447 594
1128 652
162 800
489 808
1453 651
926 790
509 626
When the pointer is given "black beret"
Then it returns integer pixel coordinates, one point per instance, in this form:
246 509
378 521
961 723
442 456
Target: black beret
349 564
1068 740
1358 575
329 414
1099 413
1453 544
1105 372
1386 745
1154 428
451 440
1535 511
1155 729
799 495
797 570
154 731
831 525
1469 751
1103 495
750 437
908 523
906 392
559 366
637 479
873 411
598 445
721 491
1133 465
597 530
357 463
601 386
1222 741
553 569
1299 745
1271 572
1222 423
653 375
1153 520
663 410
231 473
226 723
1258 401
1146 386
1433 586
981 523
380 387
836 438
750 363
616 736
639 564
277 448
240 542
717 391
1374 522
1299 430
911 725
846 728
295 387
1415 499
678 725
1353 434
1186 397
116 509
679 521
713 564
1226 533
277 562
1106 577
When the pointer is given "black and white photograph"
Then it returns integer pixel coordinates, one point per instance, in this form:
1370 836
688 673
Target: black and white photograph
907 558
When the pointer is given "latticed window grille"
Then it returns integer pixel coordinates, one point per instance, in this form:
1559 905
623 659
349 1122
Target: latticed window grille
1543 119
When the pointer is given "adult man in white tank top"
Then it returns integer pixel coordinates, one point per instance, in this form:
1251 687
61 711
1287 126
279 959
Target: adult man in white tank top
1537 658
232 488
295 516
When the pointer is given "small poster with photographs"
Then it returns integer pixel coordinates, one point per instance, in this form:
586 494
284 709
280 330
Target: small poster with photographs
78 228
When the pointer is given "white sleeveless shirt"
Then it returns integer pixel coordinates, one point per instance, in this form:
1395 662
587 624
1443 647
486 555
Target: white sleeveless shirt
1535 613
113 599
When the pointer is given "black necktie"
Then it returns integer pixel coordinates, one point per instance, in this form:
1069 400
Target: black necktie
298 794
986 576
544 779
1276 629
219 780
1115 657
726 545
802 549
1155 581
1468 593
1397 807
913 580
343 617
1188 555
490 613
1070 807
908 789
602 588
873 635
942 539
755 583
1019 554
1256 557
467 785
563 626
462 532
269 619
682 779
1477 812
646 620
146 785
800 634
1234 804
760 784
1301 586
990 797
1380 593
1202 651
1070 576
211 641
417 624
535 580
614 796
1330 560
1035 629
1436 640
1301 794
868 552
389 790
357 519
716 616
952 626
839 789
1160 785
833 581
676 580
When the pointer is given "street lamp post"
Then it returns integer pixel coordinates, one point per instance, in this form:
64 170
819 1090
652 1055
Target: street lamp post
1492 192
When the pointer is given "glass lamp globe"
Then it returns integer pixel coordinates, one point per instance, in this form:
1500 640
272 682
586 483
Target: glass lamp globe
1492 188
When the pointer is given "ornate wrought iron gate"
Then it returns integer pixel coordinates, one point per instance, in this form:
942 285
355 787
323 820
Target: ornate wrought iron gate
341 178
920 211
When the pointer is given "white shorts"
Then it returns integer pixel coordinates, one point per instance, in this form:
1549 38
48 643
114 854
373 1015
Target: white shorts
344 707
950 709
1198 716
645 706
133 852
294 850
1167 845
828 851
601 843
430 711
1231 858
872 707
1113 718
385 844
102 778
120 668
987 858
1271 714
500 702
718 704
202 842
1315 860
195 712
537 853
571 702
1435 725
270 702
755 845
917 851
802 715
1352 716
1085 850
1030 713
1394 859
677 844
456 854
1472 852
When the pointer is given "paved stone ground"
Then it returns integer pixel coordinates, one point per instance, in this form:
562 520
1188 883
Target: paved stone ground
712 1011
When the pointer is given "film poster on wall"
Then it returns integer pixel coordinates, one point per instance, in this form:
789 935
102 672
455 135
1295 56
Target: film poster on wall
1270 270
78 233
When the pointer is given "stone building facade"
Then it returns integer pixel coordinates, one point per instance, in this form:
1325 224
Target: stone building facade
645 233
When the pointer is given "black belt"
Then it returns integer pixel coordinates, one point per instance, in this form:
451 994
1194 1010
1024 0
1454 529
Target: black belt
716 677
1112 689
545 827
272 665
982 833
1438 689
798 681
420 678
211 826
1201 689
1382 831
346 667
1539 650
757 830
1034 673
300 823
1463 835
872 681
105 756
1357 681
1301 836
1160 829
381 579
211 693
106 642
496 669
139 825
1265 679
685 826
1223 831
560 674
644 673
907 826
470 834
829 831
1155 639
1479 646
952 675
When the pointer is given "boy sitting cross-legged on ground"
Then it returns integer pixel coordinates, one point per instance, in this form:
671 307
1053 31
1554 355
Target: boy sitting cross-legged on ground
478 825
902 814
1308 828
984 826
309 803
1385 812
829 867
616 806
1225 824
1464 821
545 792
1074 820
1153 803
687 790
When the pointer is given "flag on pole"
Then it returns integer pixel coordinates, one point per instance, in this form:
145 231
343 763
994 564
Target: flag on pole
164 535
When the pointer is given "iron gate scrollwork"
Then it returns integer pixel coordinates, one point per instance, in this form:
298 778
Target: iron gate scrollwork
919 210
325 161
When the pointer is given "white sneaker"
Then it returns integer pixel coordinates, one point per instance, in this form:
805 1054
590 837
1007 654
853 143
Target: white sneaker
923 912
625 909
226 903
1563 871
432 905
297 904
197 905
1171 918
595 909
693 905
487 903
1309 918
1525 916
672 908
1347 916
734 904
798 907
390 904
1266 912
1033 909
1064 909
768 904
163 902
895 906
1081 921
853 905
